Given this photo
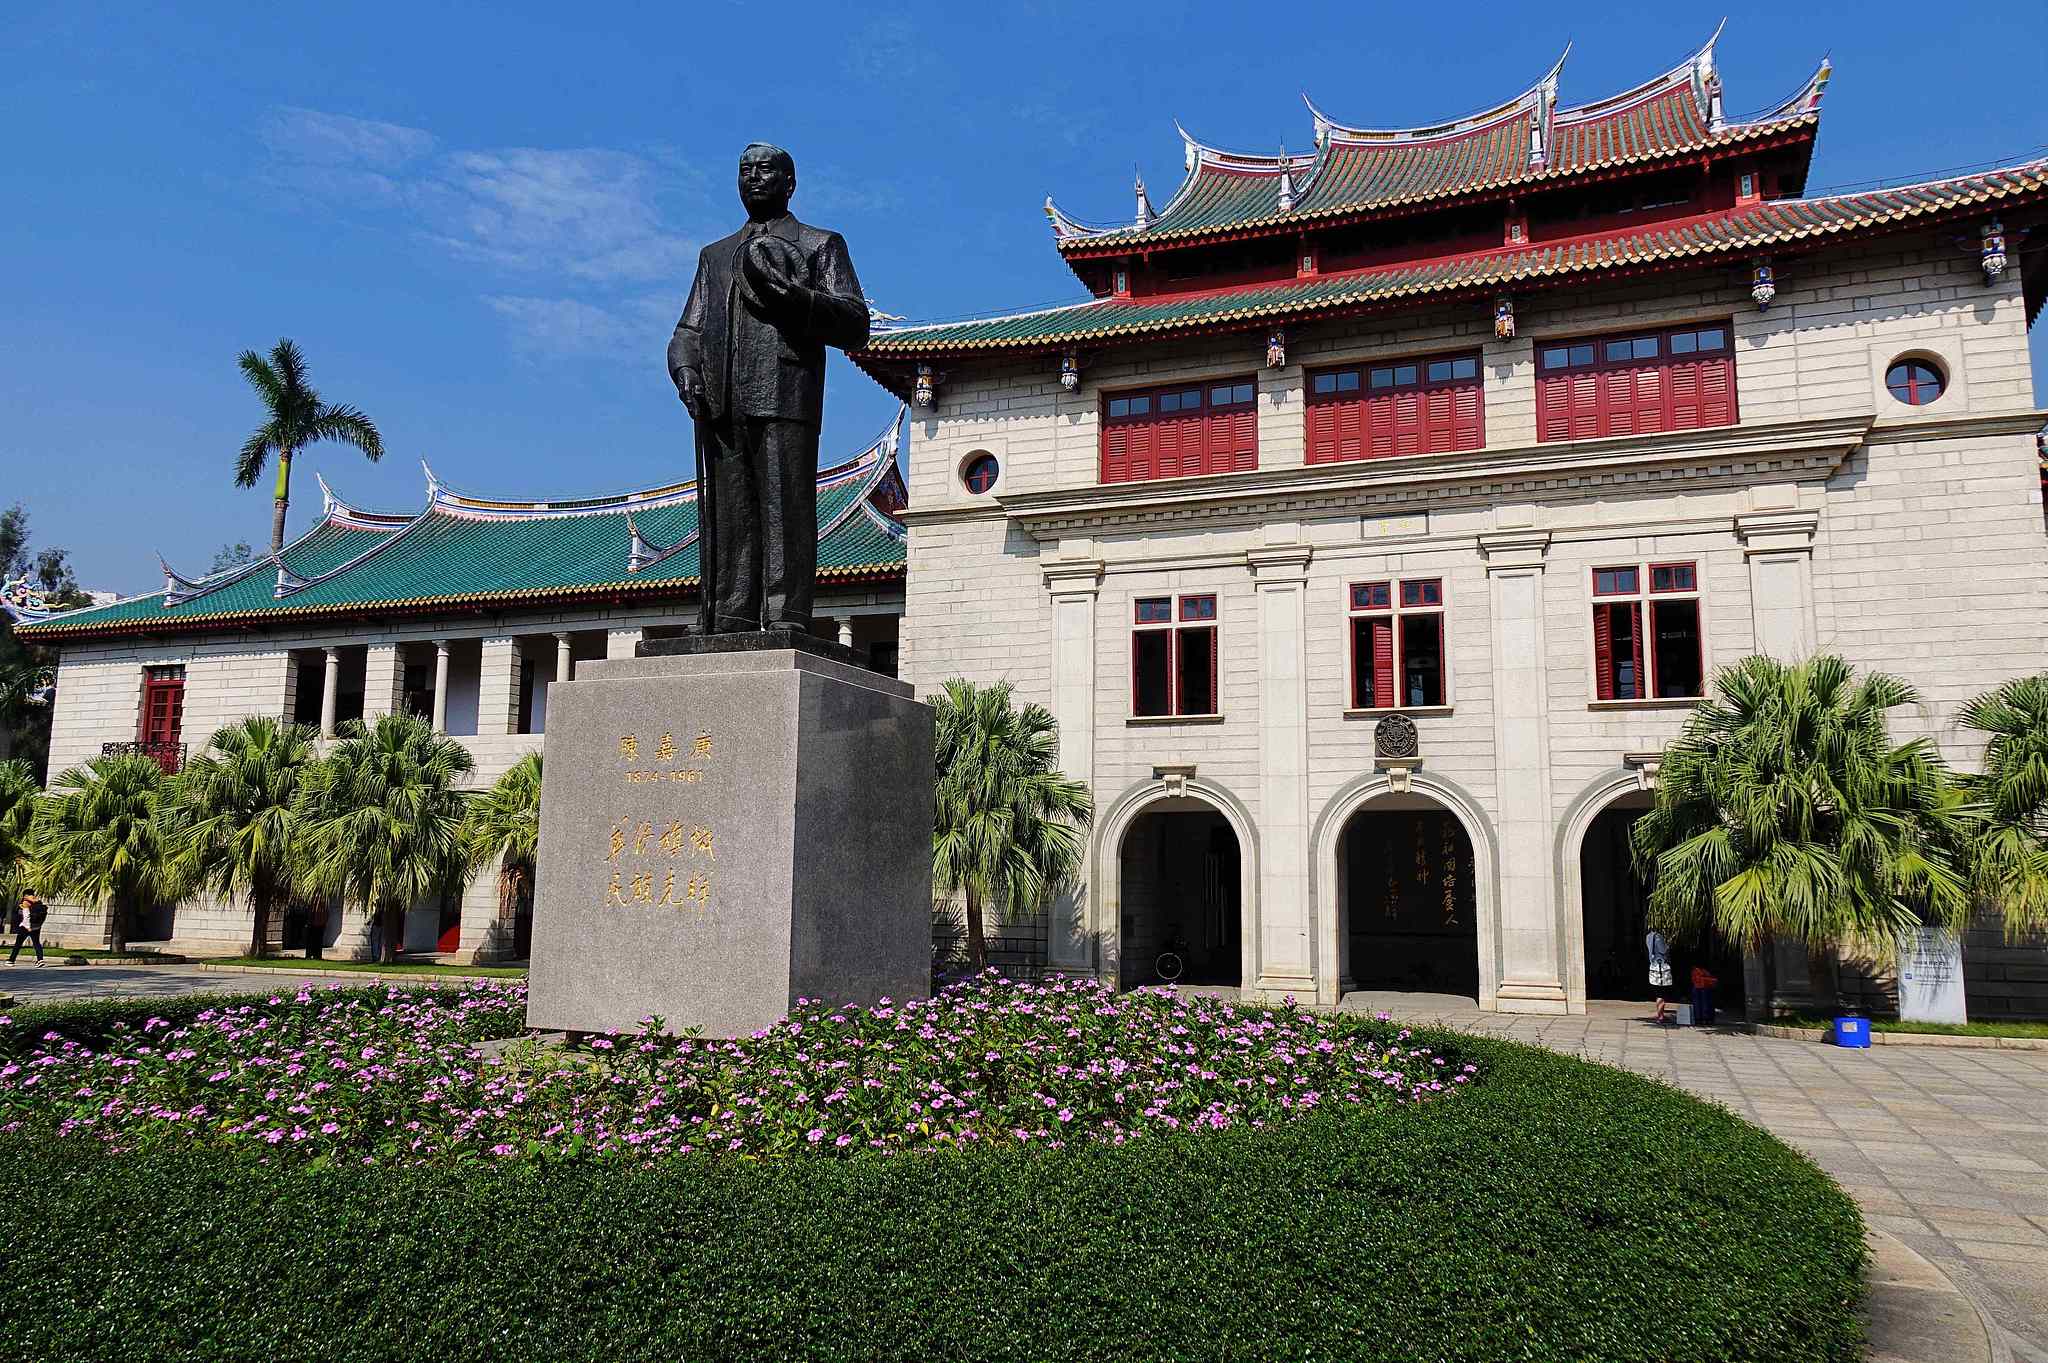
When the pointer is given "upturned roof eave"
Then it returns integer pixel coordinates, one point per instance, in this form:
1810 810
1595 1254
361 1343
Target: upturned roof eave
1737 139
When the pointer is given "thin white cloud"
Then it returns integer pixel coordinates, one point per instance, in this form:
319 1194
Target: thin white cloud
565 239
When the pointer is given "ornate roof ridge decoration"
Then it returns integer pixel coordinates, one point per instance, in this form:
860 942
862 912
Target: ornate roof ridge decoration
1781 225
1529 139
334 508
1539 95
23 602
288 581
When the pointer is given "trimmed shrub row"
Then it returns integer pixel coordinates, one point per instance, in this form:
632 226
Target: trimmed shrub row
1556 1210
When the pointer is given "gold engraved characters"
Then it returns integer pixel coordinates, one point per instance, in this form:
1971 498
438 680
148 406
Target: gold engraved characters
629 839
667 750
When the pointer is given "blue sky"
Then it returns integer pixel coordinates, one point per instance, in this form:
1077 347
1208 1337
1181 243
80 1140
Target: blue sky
479 221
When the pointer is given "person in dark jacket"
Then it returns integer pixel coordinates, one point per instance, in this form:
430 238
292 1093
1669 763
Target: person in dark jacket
26 919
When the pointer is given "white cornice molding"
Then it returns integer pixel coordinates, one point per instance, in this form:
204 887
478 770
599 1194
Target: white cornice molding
2014 421
1774 452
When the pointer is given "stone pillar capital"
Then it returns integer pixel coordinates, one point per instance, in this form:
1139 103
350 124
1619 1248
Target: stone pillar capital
1521 550
1777 532
1072 577
1279 562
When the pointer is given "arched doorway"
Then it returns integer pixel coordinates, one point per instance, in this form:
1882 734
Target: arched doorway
1407 894
1614 910
1180 878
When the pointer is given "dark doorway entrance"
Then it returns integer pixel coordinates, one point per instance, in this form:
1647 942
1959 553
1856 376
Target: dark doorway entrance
1181 890
1615 909
1409 889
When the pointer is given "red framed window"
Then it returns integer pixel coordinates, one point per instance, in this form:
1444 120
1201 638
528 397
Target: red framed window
1396 633
1914 382
1670 379
1371 411
1173 655
163 714
1180 431
1665 661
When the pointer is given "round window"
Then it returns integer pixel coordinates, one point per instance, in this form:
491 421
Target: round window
979 473
1914 382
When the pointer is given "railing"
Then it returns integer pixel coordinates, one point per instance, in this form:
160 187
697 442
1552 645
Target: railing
169 756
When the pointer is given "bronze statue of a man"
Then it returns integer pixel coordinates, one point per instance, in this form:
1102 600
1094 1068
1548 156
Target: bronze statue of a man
748 359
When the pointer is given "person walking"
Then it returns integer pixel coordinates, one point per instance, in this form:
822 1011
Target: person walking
1660 969
1703 983
26 919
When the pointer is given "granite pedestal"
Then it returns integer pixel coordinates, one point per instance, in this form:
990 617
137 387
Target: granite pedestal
725 828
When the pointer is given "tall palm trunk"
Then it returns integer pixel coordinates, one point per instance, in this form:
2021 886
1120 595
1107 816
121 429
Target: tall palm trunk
977 943
117 928
394 929
259 933
284 499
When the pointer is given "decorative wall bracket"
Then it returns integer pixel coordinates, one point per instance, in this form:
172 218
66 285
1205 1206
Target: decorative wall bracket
1645 765
1070 370
1504 318
1991 251
1763 285
1276 348
1397 750
925 392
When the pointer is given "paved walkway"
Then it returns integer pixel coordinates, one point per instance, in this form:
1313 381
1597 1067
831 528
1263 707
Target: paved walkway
55 983
1946 1149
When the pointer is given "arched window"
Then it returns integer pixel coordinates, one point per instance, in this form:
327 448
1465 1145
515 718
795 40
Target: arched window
1915 382
979 472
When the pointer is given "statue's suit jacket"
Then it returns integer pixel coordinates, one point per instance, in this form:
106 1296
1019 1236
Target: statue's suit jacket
749 365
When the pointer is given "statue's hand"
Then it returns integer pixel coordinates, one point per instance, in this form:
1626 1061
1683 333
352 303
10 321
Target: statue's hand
768 265
690 388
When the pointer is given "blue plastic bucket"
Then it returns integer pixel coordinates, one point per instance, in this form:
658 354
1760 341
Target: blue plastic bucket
1853 1033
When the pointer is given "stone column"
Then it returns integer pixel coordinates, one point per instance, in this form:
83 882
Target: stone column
440 686
565 657
1071 944
330 691
846 631
621 640
1778 545
1279 922
383 680
1779 548
497 702
1529 954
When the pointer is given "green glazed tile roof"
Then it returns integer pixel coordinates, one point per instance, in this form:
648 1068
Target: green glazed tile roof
1784 225
466 551
1526 141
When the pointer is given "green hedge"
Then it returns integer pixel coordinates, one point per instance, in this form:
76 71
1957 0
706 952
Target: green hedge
1558 1210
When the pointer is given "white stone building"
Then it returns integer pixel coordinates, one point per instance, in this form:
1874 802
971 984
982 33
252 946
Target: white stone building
464 612
1514 428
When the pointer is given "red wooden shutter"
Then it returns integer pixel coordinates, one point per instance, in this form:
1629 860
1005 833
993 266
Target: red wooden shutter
1635 611
1116 453
1383 662
1322 431
1468 418
1603 653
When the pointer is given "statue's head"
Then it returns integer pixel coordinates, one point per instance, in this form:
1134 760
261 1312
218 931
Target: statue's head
767 179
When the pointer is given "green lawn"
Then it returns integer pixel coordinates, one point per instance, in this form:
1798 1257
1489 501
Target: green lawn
401 968
2018 1029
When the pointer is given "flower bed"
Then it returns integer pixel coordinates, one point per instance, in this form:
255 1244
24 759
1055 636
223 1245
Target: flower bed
393 1075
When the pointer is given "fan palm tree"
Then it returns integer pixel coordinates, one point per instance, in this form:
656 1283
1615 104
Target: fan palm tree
2008 858
19 795
1785 811
503 825
99 838
1007 824
233 820
383 819
297 418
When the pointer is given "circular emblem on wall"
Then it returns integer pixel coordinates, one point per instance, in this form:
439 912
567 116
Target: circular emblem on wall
1395 736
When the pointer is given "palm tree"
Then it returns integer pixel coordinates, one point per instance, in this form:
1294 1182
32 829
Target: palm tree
2008 859
1784 810
503 825
19 796
298 418
1007 824
99 839
383 819
233 820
